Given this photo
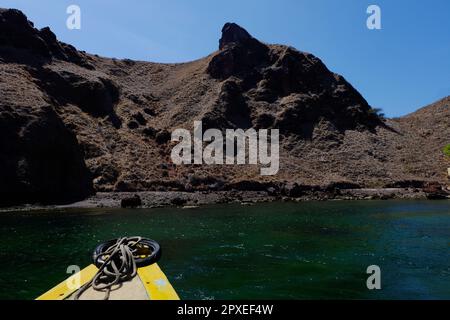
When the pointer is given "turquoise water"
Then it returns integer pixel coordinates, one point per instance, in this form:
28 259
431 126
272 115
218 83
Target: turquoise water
266 251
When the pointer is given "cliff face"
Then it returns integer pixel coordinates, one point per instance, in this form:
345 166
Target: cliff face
283 88
72 123
40 158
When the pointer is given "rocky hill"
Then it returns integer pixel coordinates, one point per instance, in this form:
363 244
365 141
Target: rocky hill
73 123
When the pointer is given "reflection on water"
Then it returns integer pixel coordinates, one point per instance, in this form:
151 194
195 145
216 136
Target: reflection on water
277 250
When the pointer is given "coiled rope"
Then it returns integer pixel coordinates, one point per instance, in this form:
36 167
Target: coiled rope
116 261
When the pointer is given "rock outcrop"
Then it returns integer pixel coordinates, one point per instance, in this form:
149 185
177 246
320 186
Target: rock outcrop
92 93
20 41
301 89
72 123
234 34
41 160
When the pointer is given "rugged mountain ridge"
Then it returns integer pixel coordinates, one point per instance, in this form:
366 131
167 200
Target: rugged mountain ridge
73 123
296 85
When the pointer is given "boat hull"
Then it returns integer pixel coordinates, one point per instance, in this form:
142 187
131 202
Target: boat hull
150 283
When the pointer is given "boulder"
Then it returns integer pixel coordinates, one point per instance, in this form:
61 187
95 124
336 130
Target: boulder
140 118
178 201
131 202
132 125
149 132
163 137
294 190
435 191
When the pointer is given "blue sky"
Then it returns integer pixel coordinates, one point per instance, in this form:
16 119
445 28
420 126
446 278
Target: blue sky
400 68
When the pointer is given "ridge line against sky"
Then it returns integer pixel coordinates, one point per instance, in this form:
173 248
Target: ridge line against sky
400 68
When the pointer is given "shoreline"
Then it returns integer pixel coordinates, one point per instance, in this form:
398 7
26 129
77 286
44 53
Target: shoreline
188 200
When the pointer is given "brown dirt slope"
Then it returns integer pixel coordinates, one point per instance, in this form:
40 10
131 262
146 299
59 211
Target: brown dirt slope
72 123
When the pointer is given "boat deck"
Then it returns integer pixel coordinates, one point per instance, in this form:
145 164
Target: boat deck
150 283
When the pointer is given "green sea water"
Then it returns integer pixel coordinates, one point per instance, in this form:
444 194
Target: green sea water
313 250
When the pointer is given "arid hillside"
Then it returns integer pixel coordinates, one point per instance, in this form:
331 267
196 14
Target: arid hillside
72 123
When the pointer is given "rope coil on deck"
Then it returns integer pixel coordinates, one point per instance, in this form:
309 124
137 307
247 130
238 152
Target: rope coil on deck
118 261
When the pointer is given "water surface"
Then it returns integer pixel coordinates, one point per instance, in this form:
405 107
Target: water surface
266 251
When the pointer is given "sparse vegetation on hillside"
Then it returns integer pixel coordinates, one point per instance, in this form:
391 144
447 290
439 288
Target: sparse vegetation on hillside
446 150
379 112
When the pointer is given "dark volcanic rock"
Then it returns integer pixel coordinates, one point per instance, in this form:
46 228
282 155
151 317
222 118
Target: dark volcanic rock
18 32
21 41
250 186
232 34
150 112
406 184
294 190
301 88
133 125
264 120
342 186
162 137
179 201
150 132
435 191
94 95
230 109
131 202
239 55
41 160
140 118
53 96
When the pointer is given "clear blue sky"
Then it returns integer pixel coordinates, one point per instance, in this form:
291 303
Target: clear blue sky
400 68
